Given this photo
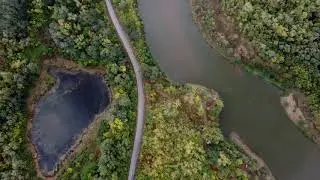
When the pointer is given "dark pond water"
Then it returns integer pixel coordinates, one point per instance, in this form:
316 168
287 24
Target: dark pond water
252 106
64 113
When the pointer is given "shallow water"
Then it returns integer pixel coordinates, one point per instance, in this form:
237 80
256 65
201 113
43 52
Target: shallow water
62 115
252 106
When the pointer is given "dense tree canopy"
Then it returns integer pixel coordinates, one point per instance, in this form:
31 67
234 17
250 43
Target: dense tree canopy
14 18
287 37
279 38
18 70
80 30
182 139
19 66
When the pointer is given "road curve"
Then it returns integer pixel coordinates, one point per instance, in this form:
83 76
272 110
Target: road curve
141 96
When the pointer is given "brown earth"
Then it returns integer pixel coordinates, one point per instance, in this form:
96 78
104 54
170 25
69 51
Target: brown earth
299 113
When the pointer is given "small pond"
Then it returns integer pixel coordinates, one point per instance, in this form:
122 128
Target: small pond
63 114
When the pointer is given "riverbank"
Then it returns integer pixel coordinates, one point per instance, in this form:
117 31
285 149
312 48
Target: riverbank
205 153
298 111
226 161
221 34
221 31
262 167
107 153
44 86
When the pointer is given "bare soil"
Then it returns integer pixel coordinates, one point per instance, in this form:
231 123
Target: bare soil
299 113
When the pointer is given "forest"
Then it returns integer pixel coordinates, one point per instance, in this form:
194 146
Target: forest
80 30
280 39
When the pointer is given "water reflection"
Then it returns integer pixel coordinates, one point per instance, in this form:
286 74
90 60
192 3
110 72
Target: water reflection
64 113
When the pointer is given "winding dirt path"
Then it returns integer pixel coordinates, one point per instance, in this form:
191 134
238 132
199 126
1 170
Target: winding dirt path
140 86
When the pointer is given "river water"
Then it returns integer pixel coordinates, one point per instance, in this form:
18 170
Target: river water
62 115
252 106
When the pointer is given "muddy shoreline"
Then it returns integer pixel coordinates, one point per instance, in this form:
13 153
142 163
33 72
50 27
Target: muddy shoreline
85 137
262 166
297 109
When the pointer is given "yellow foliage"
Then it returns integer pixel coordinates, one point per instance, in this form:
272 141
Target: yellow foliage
281 31
123 69
223 159
116 124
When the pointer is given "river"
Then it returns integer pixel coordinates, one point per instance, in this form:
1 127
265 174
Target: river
252 106
62 115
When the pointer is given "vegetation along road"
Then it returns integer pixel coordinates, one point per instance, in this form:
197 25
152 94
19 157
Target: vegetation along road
141 96
182 138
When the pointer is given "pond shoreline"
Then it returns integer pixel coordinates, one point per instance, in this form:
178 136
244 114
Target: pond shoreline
38 93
